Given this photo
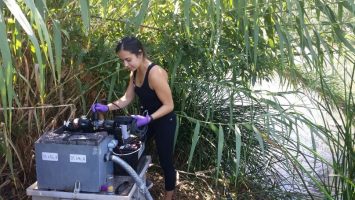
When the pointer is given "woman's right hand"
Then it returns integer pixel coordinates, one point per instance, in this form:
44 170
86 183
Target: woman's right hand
99 107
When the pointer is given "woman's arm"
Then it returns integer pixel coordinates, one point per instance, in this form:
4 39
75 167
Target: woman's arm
158 81
126 99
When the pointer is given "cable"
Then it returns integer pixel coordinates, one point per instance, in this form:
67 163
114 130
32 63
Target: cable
139 131
116 105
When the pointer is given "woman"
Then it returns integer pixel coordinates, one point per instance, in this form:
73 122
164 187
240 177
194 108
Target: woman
150 83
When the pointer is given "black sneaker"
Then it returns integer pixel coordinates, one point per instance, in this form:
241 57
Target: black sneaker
148 184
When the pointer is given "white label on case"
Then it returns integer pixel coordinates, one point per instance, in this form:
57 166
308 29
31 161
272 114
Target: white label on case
49 156
77 158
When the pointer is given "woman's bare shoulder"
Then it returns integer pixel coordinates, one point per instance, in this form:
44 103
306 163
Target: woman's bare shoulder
158 72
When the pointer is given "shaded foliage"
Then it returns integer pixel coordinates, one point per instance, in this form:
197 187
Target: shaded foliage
62 53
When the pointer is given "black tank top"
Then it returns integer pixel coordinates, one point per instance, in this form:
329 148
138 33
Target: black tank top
148 99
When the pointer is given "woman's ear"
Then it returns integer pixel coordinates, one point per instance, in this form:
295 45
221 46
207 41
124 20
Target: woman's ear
140 54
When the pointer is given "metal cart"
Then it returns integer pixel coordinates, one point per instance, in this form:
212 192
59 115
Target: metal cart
125 188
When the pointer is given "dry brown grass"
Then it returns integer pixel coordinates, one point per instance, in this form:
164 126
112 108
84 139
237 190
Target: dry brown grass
188 186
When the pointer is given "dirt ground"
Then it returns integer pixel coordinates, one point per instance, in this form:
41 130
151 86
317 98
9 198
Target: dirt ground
189 186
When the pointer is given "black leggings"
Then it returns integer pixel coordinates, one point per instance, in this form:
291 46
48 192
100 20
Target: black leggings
163 131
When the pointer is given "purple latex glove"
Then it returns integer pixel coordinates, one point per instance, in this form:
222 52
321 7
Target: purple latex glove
142 120
98 107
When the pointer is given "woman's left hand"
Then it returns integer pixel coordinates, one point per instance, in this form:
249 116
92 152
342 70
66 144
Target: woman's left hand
142 120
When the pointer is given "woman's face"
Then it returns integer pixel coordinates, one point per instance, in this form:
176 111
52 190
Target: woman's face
130 60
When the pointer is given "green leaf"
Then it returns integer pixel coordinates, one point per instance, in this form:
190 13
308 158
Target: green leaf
187 7
177 61
138 20
104 4
58 48
256 33
314 147
176 132
85 16
238 146
245 29
112 86
281 44
259 139
9 159
219 149
349 5
304 30
240 8
195 138
335 25
340 12
218 12
231 105
41 6
3 95
18 14
213 128
4 45
42 30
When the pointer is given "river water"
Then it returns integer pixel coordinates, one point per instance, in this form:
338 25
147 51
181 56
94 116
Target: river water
301 103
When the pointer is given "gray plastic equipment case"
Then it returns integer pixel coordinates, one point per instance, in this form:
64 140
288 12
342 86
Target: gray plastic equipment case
68 161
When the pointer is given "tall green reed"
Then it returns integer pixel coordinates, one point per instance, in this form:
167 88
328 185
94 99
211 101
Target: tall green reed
201 45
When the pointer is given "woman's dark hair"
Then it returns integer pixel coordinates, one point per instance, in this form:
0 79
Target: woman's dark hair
131 44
